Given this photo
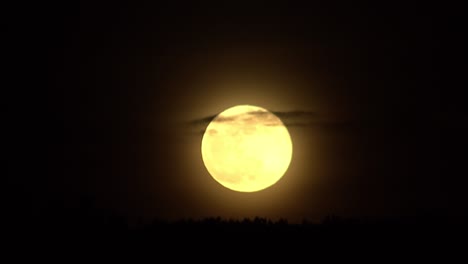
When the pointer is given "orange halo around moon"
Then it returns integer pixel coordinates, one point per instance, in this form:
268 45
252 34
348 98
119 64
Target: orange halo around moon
246 148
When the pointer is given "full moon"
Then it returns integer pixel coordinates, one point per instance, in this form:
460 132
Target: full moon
246 148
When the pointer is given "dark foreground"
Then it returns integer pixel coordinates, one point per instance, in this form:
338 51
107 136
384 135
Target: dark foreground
85 230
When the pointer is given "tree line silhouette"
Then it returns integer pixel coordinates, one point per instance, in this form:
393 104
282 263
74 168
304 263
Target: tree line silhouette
96 225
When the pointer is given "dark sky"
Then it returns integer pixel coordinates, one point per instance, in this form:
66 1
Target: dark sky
128 85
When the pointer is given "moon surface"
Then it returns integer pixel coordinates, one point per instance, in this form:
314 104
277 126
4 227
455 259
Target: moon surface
246 148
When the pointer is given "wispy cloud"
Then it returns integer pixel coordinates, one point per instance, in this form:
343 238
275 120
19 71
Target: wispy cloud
297 118
289 118
202 121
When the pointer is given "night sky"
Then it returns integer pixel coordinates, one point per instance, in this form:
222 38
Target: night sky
130 88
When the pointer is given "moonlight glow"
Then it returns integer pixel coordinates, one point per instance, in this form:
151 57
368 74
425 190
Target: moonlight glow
246 148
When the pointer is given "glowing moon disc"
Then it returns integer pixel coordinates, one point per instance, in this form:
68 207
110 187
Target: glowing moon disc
246 148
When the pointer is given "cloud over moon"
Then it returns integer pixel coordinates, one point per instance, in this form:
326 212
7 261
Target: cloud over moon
289 118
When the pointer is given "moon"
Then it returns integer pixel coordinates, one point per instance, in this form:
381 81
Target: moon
246 148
